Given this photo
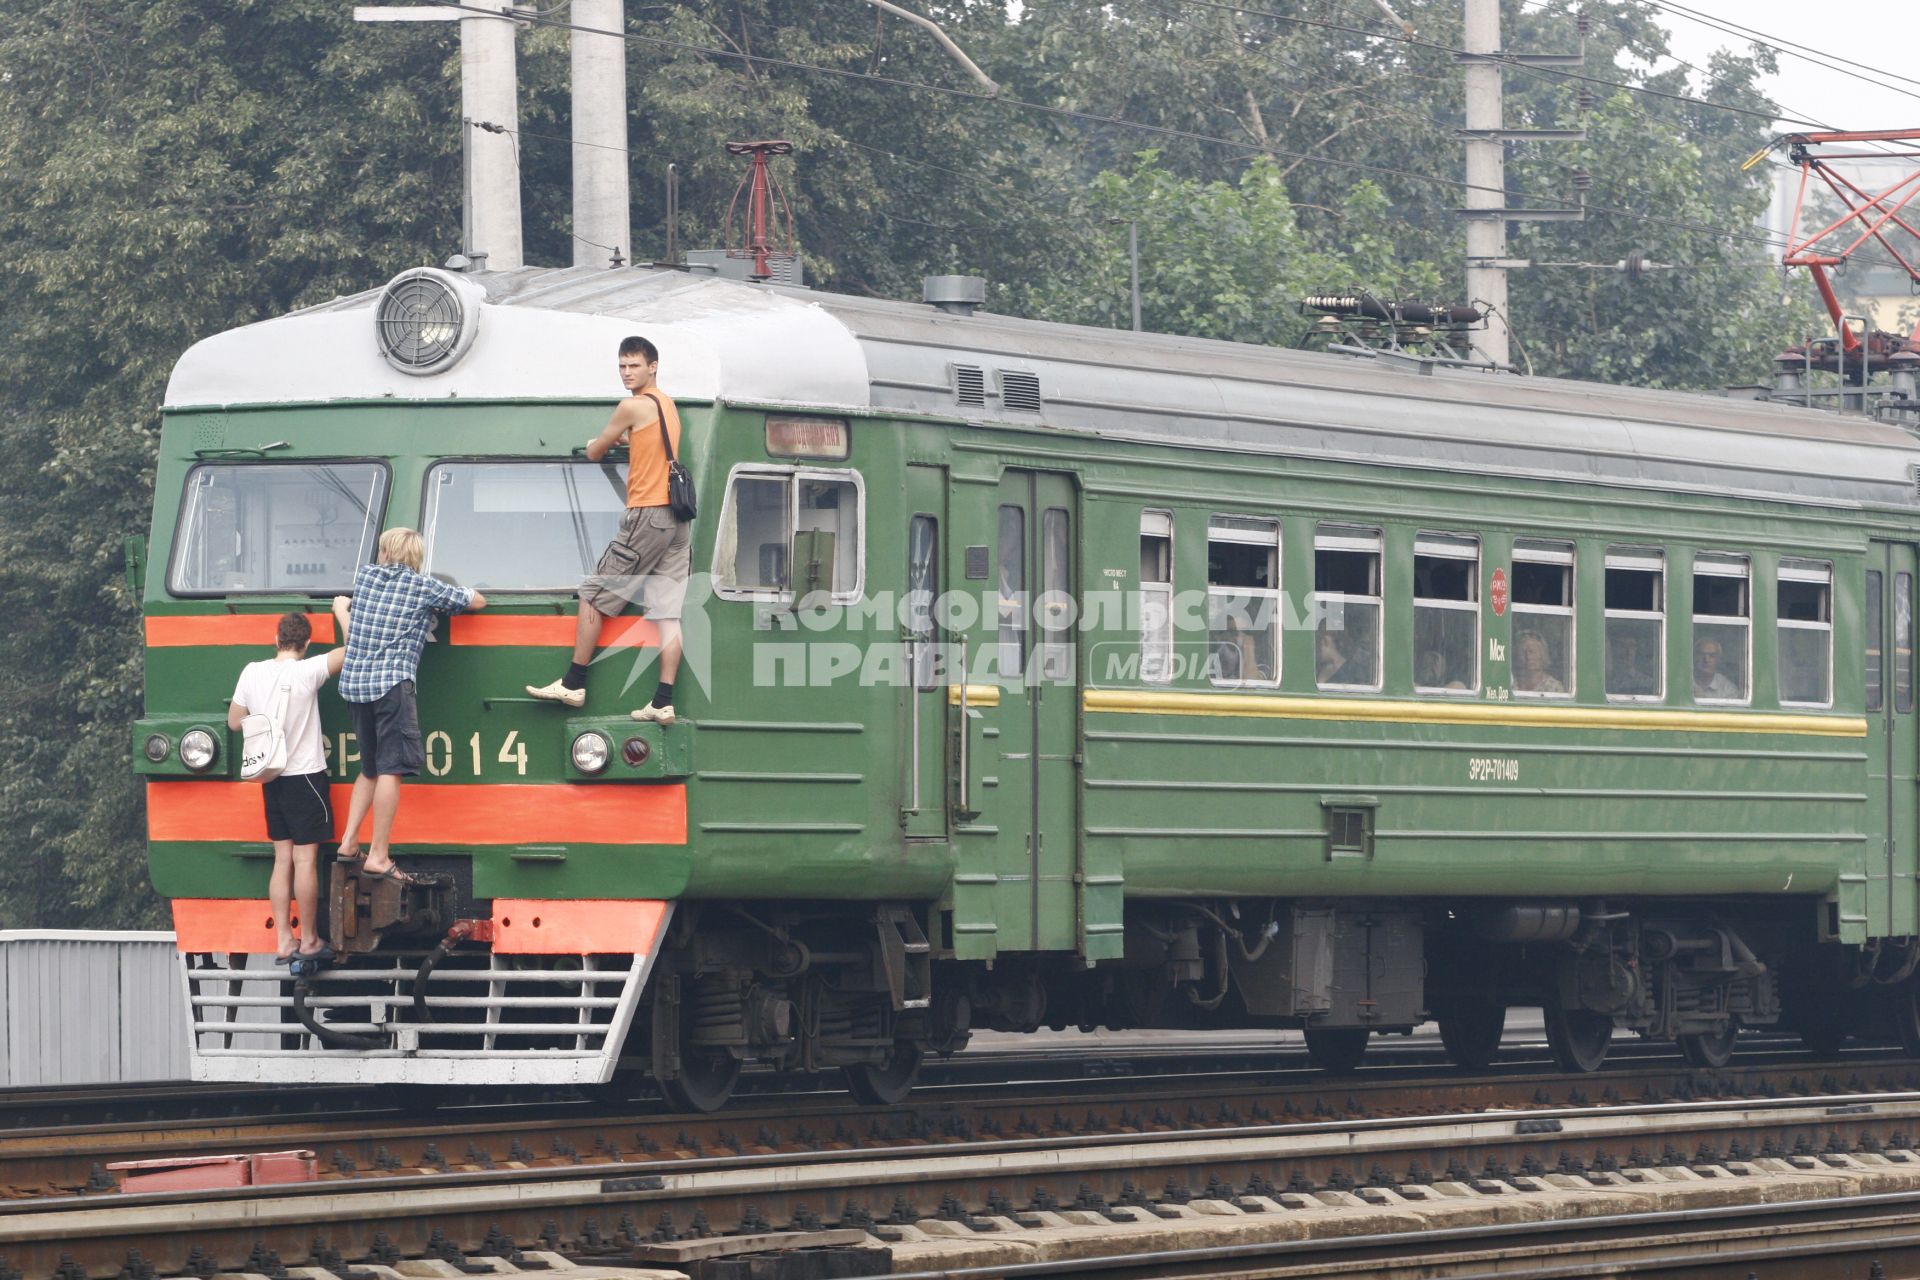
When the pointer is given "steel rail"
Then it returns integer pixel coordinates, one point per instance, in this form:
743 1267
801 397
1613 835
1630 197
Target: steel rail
65 1159
590 1203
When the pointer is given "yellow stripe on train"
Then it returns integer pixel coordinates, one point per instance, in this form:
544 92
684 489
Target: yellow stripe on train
1524 715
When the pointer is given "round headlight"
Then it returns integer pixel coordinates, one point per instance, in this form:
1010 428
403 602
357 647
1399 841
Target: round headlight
426 319
197 750
590 752
635 752
159 747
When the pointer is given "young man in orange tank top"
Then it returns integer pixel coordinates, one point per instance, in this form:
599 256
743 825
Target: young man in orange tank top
649 557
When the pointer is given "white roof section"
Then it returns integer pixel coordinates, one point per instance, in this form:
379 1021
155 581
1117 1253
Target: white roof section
546 335
553 334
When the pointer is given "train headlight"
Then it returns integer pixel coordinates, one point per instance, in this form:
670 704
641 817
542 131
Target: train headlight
590 752
426 319
159 747
197 750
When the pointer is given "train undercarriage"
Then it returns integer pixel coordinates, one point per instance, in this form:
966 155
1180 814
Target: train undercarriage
862 988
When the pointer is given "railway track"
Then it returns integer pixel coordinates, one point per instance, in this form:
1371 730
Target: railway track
960 1183
1032 1098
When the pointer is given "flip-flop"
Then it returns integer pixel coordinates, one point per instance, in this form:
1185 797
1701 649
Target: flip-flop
285 957
323 953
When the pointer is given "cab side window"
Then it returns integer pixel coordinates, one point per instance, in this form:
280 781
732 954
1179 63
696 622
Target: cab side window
787 531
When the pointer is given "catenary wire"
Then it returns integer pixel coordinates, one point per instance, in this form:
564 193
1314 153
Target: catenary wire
1112 121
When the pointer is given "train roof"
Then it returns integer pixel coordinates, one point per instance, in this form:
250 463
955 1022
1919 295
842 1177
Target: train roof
549 335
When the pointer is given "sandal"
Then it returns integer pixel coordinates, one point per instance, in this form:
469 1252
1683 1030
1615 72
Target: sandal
284 957
393 873
321 953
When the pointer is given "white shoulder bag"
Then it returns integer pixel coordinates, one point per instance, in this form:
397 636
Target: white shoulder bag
263 738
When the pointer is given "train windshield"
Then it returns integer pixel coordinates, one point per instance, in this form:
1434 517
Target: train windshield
276 527
520 526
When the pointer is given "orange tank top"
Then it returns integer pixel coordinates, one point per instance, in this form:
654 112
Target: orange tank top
646 460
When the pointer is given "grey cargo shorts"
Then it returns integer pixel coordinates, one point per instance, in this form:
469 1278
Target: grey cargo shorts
646 564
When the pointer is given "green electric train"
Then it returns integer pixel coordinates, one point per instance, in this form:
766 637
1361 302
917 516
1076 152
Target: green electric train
1036 676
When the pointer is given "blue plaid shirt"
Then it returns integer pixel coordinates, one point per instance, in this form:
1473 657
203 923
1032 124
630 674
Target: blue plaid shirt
394 611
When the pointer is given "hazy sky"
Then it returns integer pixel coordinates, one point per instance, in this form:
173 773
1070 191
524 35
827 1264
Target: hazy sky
1880 33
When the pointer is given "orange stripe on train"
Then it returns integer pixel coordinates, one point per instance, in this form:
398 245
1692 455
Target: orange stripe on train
521 926
460 814
474 629
547 630
182 630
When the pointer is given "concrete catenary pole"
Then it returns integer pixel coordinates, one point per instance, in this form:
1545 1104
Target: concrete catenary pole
1486 179
489 95
602 229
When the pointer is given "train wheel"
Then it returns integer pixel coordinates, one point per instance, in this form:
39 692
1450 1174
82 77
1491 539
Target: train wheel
705 1081
1471 1033
1336 1050
891 1081
1709 1048
1578 1038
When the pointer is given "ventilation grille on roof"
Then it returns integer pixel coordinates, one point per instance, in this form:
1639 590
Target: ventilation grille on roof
969 384
1020 391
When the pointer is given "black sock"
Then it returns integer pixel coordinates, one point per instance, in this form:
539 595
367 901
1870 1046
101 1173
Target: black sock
576 677
663 696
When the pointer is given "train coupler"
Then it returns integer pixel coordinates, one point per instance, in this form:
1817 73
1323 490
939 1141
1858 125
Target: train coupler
367 911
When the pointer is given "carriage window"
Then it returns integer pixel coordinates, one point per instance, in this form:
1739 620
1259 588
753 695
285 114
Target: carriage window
1636 603
1243 600
1875 627
520 526
1346 587
1446 613
1542 619
1011 593
1903 642
783 528
923 585
1721 627
1053 610
1156 596
1804 620
287 528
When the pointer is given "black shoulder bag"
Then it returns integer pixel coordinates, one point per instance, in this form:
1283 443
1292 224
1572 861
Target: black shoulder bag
680 495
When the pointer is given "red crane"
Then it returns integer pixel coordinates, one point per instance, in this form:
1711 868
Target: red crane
1881 217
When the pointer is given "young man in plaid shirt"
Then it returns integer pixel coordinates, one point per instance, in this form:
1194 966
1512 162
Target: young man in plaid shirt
385 623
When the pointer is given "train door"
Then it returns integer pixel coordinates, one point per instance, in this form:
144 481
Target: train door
923 806
1036 662
1891 765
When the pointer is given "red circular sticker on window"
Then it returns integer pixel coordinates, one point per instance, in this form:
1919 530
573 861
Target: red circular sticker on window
1498 592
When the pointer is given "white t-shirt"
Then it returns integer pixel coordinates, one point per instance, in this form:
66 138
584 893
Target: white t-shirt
257 690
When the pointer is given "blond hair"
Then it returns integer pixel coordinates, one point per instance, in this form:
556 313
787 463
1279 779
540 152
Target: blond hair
403 546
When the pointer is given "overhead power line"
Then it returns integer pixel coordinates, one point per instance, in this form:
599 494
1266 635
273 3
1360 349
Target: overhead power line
1238 146
1779 44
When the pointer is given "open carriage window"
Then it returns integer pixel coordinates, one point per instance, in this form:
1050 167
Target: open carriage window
520 526
287 528
787 531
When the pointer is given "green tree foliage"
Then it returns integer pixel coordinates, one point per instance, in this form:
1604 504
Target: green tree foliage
173 168
1221 259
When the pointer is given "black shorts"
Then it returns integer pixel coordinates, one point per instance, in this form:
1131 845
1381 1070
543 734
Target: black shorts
389 732
297 808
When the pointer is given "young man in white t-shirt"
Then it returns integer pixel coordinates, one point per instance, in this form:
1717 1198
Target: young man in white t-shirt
299 818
